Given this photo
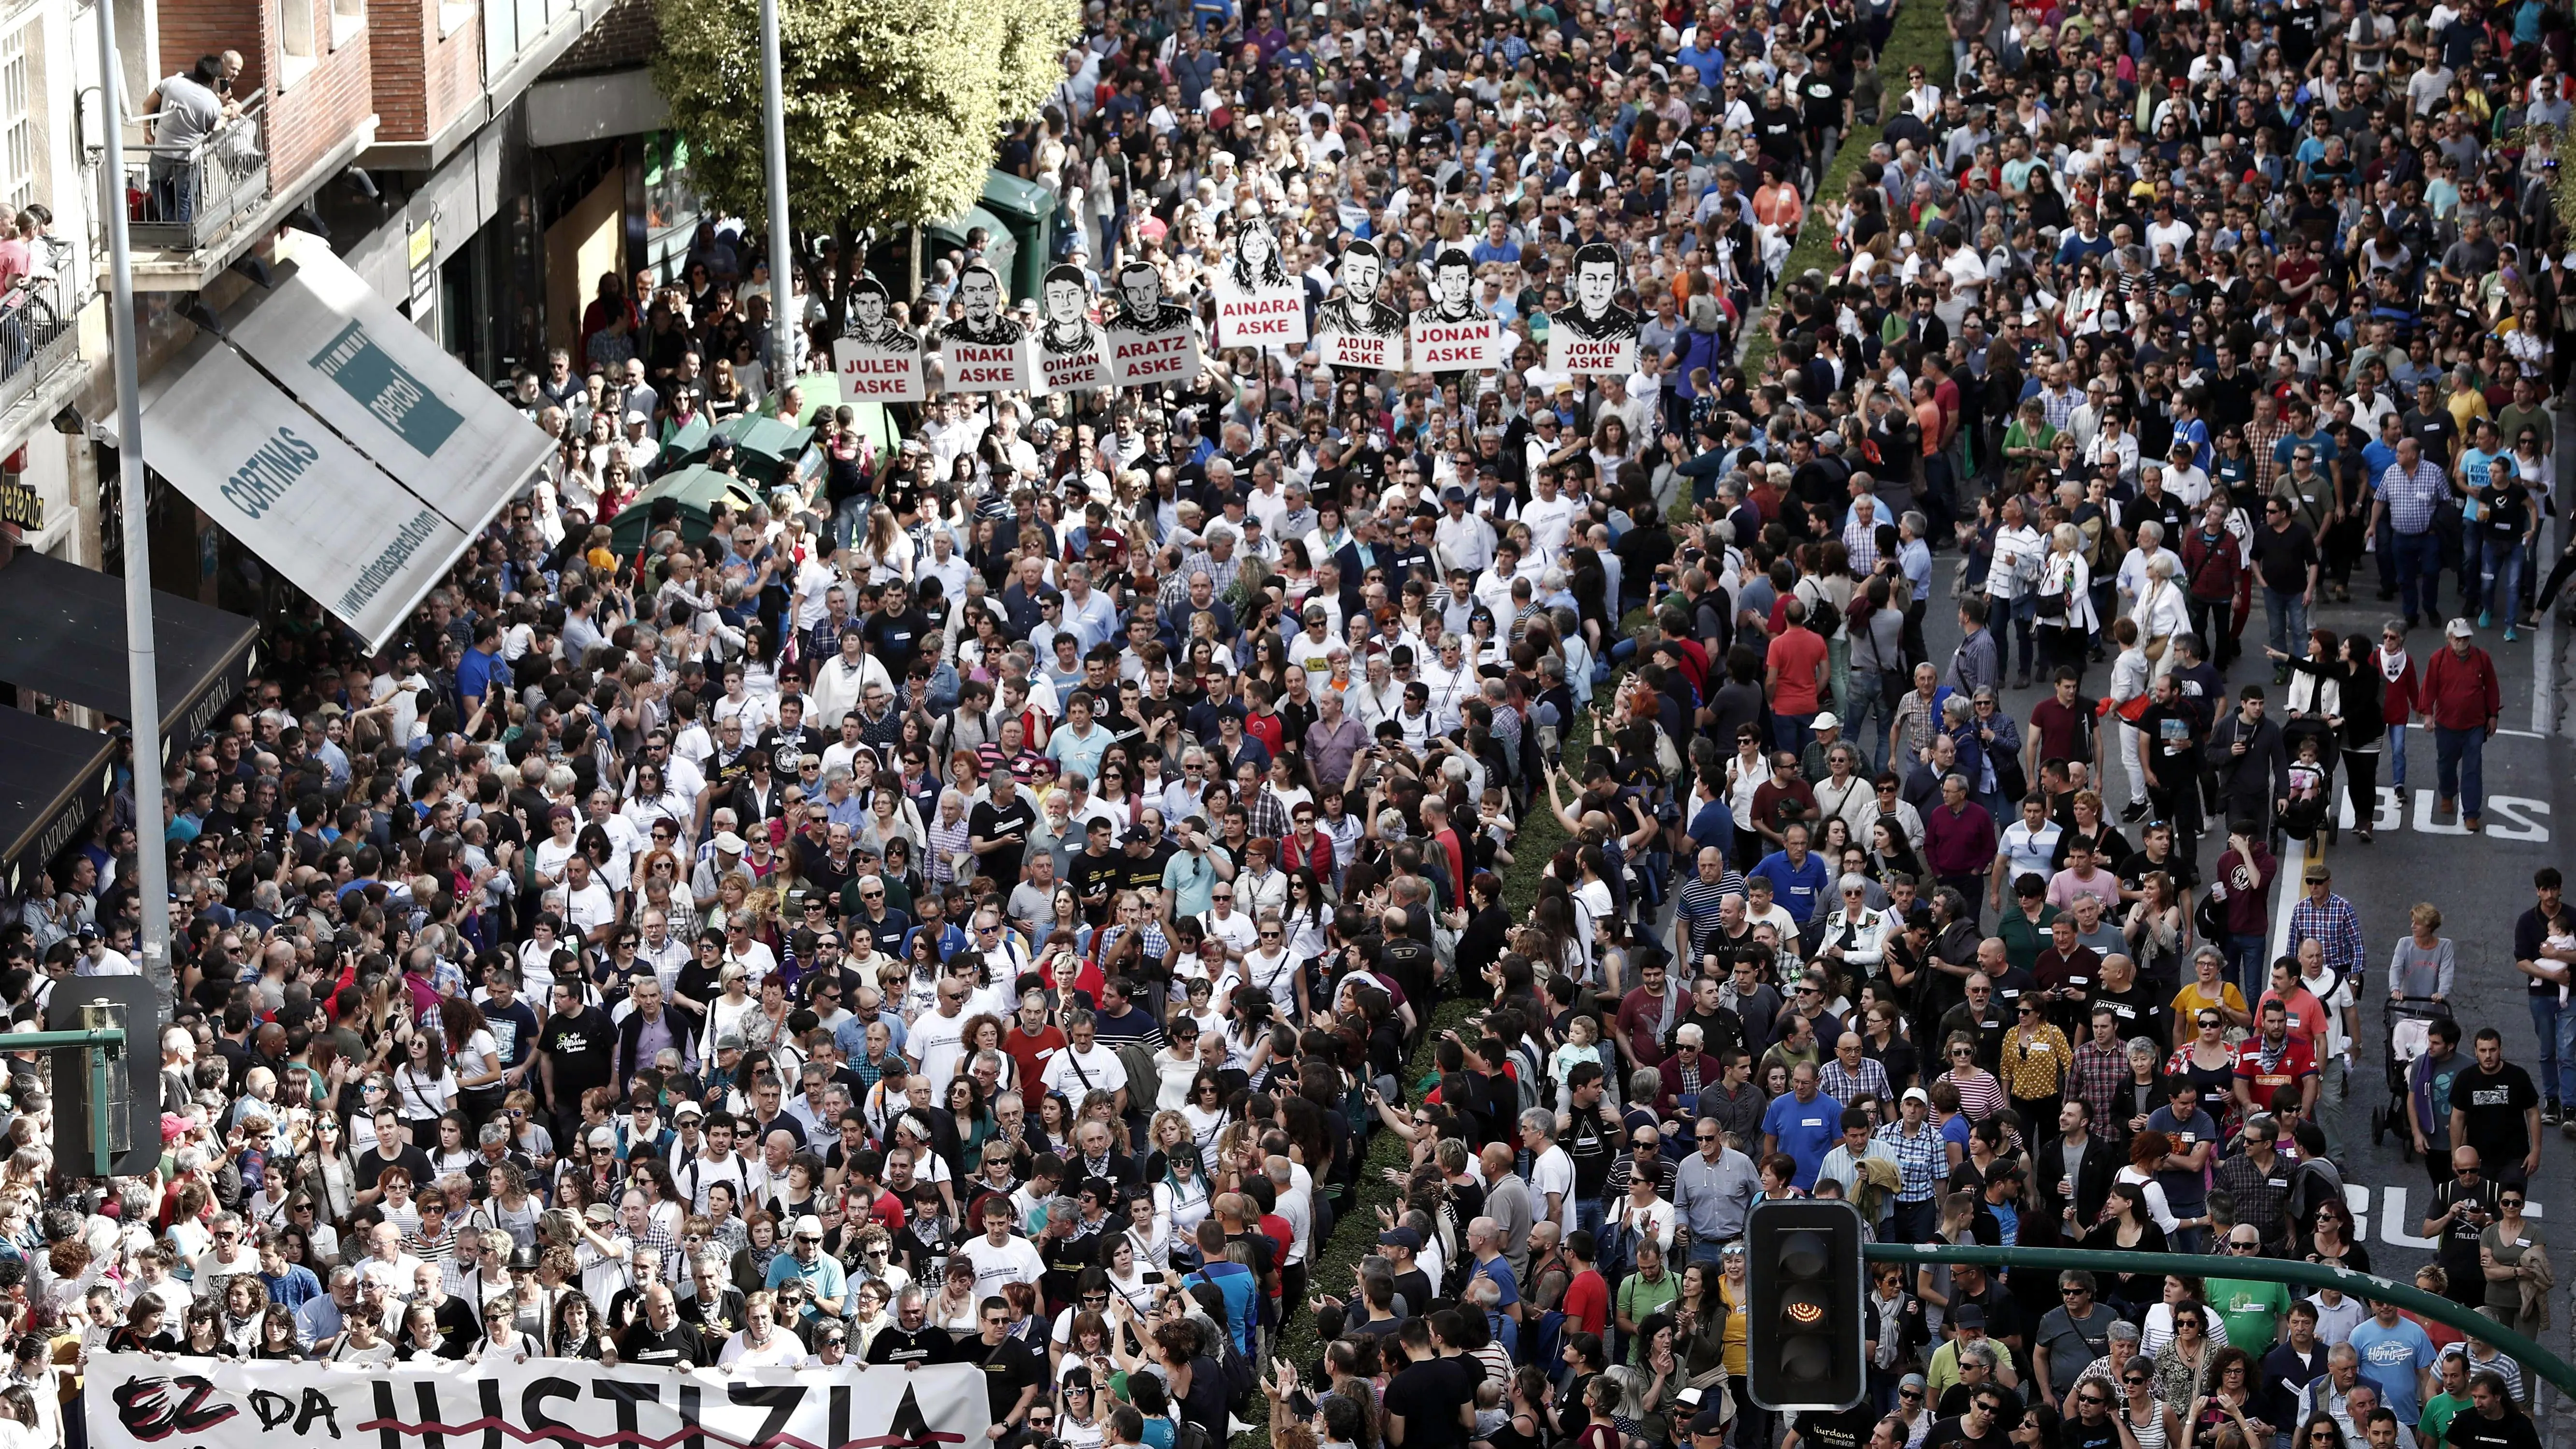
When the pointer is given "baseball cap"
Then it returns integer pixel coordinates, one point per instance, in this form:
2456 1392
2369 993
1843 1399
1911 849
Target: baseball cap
1137 835
809 1226
1828 721
1968 1315
1917 1094
601 1212
729 843
2459 629
1709 1421
2316 871
1400 1238
687 1109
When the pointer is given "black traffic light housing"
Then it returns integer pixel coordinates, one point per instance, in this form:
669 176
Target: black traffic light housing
133 1101
1803 1290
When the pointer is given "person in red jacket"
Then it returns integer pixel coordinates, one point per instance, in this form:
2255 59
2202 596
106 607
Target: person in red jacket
2398 677
2461 696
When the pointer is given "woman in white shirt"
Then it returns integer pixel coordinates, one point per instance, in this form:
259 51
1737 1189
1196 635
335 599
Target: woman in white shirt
2161 613
1145 1247
1181 1198
2066 598
759 1343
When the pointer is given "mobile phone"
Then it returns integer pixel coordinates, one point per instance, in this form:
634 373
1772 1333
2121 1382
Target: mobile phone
1156 1277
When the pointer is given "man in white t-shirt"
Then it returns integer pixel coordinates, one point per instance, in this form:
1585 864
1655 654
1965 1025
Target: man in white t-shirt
1083 1066
938 1037
1551 1173
586 908
1000 1258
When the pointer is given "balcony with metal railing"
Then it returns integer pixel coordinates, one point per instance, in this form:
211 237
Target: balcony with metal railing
39 323
189 196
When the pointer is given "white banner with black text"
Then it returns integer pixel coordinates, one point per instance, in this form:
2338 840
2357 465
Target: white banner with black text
199 1403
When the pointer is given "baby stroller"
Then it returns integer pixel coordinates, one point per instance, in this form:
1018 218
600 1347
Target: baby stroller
2408 1021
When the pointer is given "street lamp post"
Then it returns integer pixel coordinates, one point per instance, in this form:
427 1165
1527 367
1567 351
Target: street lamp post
143 681
773 115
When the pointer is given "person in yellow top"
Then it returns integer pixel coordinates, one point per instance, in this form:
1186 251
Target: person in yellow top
1732 1287
2208 989
2036 1059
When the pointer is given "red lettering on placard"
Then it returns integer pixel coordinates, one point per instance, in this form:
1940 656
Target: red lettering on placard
1159 367
1173 346
877 367
964 353
1453 354
869 387
1264 327
1263 307
984 374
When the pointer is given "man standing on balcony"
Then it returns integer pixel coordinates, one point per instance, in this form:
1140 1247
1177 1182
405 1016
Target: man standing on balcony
186 109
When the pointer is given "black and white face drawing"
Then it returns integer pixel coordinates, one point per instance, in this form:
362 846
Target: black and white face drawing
1595 316
1453 286
1361 273
873 319
1256 264
1362 309
1065 303
1141 304
979 296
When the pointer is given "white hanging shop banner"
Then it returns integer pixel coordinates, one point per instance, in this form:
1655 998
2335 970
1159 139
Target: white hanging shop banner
383 384
309 505
199 1403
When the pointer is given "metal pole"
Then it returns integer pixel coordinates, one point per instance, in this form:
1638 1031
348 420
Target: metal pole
773 116
143 680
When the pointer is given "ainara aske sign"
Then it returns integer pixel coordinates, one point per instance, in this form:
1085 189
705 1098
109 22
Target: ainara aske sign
387 389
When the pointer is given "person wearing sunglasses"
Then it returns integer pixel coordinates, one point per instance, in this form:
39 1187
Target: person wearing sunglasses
2071 1336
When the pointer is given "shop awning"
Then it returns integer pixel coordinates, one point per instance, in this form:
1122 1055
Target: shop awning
54 778
63 634
335 440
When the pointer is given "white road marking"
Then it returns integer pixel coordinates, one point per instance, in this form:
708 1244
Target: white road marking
2544 645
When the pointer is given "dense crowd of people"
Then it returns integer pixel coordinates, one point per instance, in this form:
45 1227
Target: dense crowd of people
990 900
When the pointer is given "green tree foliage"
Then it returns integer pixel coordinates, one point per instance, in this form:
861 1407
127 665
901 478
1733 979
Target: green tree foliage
893 106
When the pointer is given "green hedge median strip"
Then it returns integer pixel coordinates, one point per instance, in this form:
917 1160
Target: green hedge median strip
1355 1231
1920 37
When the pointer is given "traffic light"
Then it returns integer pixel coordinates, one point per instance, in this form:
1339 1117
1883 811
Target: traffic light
1803 1291
127 1113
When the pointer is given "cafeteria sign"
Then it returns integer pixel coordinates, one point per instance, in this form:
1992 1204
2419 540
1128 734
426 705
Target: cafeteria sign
21 505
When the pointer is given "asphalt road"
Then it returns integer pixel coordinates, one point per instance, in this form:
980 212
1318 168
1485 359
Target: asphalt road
2481 883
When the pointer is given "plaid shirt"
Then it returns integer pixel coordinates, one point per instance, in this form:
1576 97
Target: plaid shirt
1921 1160
2260 436
2100 1072
1861 542
2058 405
2336 928
2410 496
1844 1083
2251 1189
